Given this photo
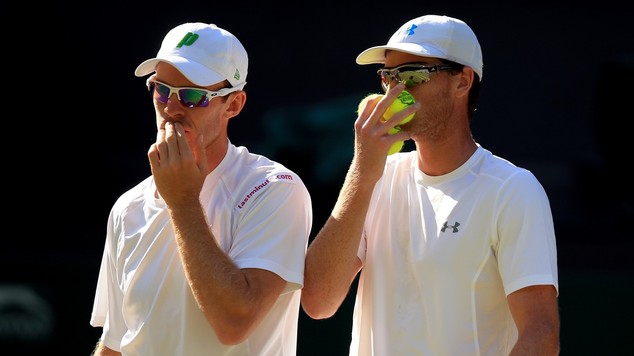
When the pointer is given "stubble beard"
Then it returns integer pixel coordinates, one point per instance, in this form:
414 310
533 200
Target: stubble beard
432 120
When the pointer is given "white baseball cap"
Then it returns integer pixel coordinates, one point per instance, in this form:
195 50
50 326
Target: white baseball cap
432 36
204 53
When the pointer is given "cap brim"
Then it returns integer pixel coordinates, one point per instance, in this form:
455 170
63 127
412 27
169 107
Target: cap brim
196 73
377 54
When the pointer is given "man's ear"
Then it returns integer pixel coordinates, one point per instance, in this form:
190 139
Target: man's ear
467 76
235 103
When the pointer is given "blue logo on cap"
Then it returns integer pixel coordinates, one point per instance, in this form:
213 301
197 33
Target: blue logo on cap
410 30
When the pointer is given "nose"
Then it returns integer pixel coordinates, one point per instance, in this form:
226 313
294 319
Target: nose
174 107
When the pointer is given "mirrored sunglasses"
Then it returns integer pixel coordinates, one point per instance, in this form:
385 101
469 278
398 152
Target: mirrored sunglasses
410 74
188 96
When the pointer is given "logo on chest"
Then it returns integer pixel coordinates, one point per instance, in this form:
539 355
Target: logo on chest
454 227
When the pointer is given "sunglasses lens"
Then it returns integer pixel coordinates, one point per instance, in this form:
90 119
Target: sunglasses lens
193 98
410 76
190 97
413 78
161 92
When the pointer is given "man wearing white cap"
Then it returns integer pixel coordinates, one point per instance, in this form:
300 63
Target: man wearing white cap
455 246
206 255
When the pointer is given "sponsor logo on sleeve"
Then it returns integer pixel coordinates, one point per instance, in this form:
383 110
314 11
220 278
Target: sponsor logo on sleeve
259 187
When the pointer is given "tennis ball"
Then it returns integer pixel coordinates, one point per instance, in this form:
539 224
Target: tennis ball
365 100
396 147
403 100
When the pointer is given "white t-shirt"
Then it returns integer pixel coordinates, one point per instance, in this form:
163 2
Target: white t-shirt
440 254
261 214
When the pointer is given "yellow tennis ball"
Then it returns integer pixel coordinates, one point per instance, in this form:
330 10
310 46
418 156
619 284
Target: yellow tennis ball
403 100
396 147
365 100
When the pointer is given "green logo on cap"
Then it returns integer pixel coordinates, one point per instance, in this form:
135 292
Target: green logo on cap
188 40
236 75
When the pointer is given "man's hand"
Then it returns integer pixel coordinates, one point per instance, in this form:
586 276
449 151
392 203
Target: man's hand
179 171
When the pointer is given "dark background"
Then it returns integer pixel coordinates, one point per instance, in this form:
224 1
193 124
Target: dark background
556 99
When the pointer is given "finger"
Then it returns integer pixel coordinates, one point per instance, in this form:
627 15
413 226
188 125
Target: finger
181 140
367 104
171 143
399 116
387 100
159 148
154 157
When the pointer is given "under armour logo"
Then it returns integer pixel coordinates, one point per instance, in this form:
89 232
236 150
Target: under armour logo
445 226
188 40
410 30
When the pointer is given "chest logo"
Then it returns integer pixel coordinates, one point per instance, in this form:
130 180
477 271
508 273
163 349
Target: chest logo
446 226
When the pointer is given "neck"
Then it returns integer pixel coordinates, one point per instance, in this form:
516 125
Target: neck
442 157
